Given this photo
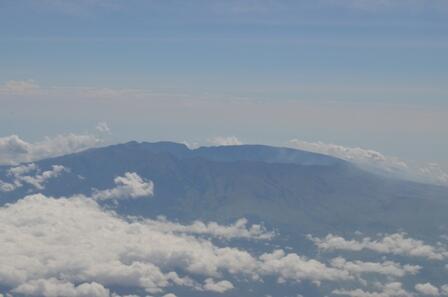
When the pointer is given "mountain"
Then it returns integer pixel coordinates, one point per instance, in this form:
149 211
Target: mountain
299 190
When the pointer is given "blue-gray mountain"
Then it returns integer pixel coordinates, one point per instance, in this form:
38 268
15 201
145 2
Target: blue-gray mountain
288 188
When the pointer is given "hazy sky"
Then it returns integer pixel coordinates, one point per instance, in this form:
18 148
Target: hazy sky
369 73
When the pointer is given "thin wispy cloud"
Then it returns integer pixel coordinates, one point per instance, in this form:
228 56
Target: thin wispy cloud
378 162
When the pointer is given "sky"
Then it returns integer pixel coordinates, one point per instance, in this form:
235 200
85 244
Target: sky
355 73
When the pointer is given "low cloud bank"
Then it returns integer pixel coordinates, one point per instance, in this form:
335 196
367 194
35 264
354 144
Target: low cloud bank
44 238
72 246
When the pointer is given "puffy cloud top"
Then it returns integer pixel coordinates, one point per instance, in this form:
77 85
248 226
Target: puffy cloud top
427 289
14 150
131 185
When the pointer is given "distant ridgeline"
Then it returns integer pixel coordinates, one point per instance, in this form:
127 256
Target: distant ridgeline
282 187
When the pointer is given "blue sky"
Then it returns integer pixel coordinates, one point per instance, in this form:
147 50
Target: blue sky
352 72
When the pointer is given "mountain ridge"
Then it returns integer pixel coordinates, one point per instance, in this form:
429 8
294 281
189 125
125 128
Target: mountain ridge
302 190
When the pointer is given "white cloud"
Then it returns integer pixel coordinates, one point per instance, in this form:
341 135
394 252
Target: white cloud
55 288
394 289
19 87
45 238
427 289
22 169
220 141
7 187
14 150
37 180
40 178
376 161
397 244
434 172
191 145
444 289
131 185
387 268
355 154
237 230
102 127
294 267
219 287
73 245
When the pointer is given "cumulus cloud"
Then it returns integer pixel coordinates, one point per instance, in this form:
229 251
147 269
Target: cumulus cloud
394 289
75 246
387 268
427 289
219 287
294 267
397 244
237 230
14 150
374 160
45 238
19 176
220 140
55 288
129 186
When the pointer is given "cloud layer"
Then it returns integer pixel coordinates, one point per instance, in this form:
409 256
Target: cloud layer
74 247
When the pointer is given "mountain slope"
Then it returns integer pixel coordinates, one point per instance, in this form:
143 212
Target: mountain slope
301 191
